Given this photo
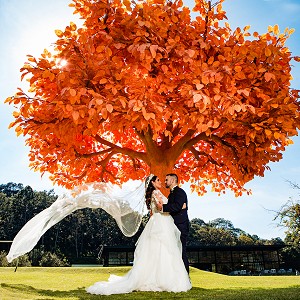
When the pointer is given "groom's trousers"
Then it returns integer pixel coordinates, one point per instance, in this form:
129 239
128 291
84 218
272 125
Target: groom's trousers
184 229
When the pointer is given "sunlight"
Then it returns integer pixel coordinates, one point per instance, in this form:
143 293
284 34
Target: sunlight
61 63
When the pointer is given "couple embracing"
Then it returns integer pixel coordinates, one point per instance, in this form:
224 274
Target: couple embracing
160 260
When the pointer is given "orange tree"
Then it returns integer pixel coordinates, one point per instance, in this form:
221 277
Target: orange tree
143 87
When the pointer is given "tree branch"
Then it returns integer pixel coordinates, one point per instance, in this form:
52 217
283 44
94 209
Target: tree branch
180 145
117 149
103 163
166 141
147 138
92 154
213 138
197 155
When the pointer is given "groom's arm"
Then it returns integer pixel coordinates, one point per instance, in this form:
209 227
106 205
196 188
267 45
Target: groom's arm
177 205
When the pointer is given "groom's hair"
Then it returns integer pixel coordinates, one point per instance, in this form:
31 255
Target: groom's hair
174 176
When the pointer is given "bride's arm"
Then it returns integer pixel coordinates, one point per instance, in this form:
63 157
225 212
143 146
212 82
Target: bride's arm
158 197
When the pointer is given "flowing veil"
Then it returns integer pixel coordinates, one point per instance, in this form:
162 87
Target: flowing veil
126 204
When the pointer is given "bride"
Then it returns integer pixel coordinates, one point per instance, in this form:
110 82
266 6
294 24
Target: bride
158 264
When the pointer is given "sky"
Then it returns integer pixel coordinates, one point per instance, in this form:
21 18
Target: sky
27 27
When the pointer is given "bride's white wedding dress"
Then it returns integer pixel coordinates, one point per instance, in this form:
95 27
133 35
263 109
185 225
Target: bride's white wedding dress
157 265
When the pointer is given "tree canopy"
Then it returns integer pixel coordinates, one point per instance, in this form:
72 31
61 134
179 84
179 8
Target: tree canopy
144 87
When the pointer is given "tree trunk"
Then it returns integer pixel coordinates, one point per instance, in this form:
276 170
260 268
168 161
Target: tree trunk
161 170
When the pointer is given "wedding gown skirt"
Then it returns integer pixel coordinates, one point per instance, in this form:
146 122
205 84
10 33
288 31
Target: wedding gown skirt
157 266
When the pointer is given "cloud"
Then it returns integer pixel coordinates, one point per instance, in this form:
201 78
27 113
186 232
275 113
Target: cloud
290 7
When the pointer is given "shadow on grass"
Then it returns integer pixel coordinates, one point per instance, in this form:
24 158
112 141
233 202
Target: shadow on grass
291 293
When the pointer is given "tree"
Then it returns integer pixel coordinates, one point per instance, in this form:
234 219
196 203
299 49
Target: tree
10 188
210 236
289 217
245 239
19 205
144 87
79 235
221 223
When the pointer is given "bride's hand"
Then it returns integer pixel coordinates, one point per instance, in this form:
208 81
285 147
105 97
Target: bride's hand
184 206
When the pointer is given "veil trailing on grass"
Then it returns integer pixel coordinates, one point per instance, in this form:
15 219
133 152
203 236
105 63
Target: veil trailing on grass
124 203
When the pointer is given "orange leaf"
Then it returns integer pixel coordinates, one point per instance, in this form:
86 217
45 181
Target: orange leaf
32 59
164 68
123 102
72 92
174 19
270 28
75 115
197 98
100 48
276 29
109 108
238 69
268 52
104 113
69 107
191 53
59 33
291 31
297 58
205 79
199 86
73 26
153 49
277 135
103 81
268 76
210 60
247 27
268 132
108 51
8 99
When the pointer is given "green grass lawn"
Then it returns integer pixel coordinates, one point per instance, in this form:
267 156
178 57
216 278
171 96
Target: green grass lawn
69 283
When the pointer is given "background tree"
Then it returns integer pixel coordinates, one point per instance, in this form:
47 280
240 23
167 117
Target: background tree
144 87
11 188
221 232
289 217
77 236
19 205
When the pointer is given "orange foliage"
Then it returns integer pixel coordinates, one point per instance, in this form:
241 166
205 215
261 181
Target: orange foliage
147 88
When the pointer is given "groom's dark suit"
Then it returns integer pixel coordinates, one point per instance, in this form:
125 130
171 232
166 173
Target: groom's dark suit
176 199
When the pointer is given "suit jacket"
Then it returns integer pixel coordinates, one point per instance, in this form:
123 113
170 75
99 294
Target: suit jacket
176 199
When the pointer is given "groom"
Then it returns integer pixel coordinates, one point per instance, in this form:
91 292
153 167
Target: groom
177 207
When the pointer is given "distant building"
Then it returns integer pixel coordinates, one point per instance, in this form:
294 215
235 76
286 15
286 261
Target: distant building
5 245
240 259
236 260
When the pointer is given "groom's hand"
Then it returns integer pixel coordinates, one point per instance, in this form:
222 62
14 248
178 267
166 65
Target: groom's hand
159 205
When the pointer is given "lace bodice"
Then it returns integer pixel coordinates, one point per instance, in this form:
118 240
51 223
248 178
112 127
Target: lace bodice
156 196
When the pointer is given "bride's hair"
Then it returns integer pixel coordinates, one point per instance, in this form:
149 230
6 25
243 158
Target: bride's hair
149 189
